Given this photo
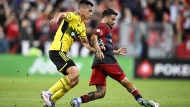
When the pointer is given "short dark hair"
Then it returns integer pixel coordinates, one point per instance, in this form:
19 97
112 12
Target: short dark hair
109 12
86 2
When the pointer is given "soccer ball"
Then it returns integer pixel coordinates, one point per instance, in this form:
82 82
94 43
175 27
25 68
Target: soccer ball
156 104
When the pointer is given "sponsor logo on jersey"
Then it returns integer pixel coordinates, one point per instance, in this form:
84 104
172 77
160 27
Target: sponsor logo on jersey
97 30
73 34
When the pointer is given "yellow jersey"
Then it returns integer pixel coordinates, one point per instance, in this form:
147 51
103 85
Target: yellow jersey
69 29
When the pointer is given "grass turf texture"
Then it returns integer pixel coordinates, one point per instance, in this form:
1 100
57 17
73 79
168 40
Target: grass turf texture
25 92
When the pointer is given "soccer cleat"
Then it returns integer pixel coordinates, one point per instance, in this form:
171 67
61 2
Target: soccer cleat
156 104
146 103
75 103
45 105
47 99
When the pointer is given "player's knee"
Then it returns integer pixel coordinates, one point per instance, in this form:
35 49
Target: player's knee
74 83
73 73
76 75
125 81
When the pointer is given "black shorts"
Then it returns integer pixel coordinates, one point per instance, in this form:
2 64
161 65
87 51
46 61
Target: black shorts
61 60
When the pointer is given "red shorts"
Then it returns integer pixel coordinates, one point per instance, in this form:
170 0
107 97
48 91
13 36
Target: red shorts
101 71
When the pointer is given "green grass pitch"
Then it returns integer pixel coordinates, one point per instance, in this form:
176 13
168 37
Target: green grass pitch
25 92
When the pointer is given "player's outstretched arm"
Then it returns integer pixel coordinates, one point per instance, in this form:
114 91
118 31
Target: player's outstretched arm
56 17
120 51
86 44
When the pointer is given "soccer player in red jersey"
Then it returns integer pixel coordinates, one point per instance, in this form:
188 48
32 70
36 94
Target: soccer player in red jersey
107 65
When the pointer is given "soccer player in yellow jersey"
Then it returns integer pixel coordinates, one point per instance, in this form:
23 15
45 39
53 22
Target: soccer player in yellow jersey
72 26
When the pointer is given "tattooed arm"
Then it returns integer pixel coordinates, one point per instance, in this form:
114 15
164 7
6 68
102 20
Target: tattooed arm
95 43
86 44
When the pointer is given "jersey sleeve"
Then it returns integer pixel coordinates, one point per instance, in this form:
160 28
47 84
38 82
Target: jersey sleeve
101 30
70 16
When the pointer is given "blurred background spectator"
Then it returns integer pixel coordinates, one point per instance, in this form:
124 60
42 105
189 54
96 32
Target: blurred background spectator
142 48
3 41
125 29
164 23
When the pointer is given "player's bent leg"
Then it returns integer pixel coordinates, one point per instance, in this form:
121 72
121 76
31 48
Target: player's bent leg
127 84
74 83
73 73
100 93
70 80
59 84
60 93
132 89
64 90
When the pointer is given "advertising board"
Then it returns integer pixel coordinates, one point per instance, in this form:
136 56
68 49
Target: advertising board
18 65
162 68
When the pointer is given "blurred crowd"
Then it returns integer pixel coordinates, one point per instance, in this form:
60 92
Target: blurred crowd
29 20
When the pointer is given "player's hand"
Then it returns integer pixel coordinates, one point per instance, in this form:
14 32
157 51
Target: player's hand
122 51
102 48
53 21
99 55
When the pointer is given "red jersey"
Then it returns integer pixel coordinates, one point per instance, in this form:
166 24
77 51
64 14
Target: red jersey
103 31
